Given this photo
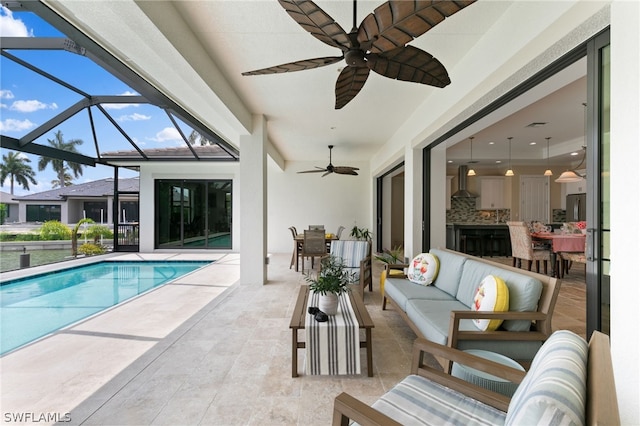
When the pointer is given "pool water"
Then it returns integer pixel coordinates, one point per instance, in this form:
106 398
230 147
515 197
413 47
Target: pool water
33 307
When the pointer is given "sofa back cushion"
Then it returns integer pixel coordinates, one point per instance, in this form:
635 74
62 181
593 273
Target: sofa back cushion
524 291
450 271
554 390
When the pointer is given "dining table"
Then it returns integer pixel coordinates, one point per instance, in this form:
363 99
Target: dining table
561 243
298 242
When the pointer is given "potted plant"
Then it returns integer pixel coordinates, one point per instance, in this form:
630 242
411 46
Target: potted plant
331 281
392 256
360 233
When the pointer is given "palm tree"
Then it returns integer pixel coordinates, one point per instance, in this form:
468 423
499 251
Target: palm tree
15 167
61 167
68 181
195 138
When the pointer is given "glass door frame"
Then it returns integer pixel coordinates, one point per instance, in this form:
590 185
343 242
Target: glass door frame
597 279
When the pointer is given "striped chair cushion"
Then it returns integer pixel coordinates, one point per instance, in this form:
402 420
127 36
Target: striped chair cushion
554 390
351 252
419 401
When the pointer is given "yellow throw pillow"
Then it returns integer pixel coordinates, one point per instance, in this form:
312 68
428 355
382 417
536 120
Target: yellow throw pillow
492 295
423 269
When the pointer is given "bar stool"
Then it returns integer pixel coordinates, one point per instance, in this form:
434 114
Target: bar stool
476 241
495 244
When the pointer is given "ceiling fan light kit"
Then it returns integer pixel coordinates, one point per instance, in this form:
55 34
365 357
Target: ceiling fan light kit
378 44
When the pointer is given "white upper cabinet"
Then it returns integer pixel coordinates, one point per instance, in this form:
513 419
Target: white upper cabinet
492 193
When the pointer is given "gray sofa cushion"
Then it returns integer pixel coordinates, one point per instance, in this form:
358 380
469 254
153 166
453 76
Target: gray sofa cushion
401 290
450 271
524 291
432 318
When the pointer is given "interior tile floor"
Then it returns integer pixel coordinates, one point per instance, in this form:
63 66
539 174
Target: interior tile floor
207 350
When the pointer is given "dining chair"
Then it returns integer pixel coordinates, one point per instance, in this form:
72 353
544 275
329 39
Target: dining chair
316 227
567 259
297 246
339 231
314 245
522 247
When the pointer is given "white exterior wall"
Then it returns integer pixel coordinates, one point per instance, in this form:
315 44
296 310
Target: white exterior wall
301 200
187 170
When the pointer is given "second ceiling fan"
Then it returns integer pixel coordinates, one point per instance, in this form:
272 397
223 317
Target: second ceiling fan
378 44
341 170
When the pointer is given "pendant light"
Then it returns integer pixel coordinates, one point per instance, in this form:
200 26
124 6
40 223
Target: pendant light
571 175
471 172
548 172
509 171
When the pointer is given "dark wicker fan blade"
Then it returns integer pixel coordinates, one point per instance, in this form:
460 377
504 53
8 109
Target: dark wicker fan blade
349 83
305 64
317 22
395 23
345 170
409 63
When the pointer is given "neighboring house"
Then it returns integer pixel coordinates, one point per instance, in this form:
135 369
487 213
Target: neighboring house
12 207
70 204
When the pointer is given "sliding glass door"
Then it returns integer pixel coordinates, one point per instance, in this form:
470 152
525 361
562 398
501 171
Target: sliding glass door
598 175
193 214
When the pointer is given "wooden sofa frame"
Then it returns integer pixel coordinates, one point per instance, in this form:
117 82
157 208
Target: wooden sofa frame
541 318
601 403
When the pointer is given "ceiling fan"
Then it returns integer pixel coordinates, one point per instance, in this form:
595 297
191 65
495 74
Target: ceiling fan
378 44
341 170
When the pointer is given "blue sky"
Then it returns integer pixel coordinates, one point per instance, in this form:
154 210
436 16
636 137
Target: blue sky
28 100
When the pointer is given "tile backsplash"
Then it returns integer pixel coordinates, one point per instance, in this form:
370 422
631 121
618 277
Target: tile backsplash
463 210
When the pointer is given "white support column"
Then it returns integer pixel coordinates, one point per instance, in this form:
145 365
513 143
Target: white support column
413 201
253 204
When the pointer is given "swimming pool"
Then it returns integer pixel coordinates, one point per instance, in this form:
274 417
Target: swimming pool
35 306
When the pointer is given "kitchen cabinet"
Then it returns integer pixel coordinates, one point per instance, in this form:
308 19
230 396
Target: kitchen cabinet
481 239
492 193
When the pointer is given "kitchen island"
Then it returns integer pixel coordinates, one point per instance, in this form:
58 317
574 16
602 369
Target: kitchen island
479 239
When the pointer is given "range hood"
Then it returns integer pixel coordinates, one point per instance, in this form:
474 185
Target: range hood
462 185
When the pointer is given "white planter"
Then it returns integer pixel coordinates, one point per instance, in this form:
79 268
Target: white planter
328 303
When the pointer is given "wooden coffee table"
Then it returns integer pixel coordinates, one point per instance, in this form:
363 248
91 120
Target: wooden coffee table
298 322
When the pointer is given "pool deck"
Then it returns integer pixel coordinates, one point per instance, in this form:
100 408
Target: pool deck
104 346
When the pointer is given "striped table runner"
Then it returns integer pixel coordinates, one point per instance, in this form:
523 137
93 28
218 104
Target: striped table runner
333 347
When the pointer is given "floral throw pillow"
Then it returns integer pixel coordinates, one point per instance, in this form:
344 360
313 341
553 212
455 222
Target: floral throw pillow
492 295
423 269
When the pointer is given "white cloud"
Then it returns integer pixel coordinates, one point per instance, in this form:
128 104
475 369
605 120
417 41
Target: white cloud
134 117
121 106
168 134
6 94
31 106
12 125
10 27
